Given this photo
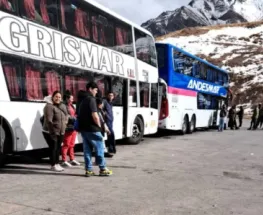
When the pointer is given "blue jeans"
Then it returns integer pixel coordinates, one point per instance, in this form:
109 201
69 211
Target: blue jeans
221 124
90 140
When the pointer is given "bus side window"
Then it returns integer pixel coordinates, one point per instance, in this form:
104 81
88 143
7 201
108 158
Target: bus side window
100 81
117 89
75 18
41 79
188 66
132 93
102 30
8 5
144 94
145 48
12 72
154 96
203 71
76 80
41 11
153 55
123 38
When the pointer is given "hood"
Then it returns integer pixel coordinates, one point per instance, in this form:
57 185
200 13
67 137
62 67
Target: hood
48 99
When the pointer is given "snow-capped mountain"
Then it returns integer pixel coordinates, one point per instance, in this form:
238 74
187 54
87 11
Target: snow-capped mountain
238 48
206 12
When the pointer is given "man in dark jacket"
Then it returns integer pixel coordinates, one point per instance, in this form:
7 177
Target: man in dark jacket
90 129
109 121
240 115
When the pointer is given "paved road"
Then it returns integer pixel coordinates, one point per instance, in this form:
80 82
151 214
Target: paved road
205 173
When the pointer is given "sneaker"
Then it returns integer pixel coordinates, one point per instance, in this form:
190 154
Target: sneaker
60 167
105 172
56 169
89 173
66 164
75 163
108 155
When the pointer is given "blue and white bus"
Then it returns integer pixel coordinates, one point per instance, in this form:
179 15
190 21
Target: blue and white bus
192 90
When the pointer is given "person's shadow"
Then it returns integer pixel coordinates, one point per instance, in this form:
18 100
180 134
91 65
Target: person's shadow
21 141
36 137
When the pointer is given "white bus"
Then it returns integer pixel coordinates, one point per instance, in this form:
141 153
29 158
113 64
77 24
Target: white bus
48 45
192 90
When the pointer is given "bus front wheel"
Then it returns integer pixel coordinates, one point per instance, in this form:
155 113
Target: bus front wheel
2 142
137 131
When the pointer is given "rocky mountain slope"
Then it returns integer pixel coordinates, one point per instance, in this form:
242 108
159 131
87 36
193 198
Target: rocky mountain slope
204 13
237 48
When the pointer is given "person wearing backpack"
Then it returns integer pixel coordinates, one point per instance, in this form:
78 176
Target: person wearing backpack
54 126
70 134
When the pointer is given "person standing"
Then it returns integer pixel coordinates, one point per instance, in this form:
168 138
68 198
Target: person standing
254 119
222 115
109 121
232 118
240 115
54 126
90 129
70 134
260 117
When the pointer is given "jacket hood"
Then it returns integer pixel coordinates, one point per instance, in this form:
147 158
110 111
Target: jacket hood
48 99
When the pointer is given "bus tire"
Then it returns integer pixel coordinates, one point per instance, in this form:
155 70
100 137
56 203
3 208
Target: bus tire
185 125
192 124
2 144
137 131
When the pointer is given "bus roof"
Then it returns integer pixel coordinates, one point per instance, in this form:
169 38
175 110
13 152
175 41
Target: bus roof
109 11
193 56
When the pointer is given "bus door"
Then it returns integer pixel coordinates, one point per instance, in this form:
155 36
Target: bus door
163 101
125 101
154 108
120 107
216 105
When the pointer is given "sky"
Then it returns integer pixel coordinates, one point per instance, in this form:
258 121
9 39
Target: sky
140 11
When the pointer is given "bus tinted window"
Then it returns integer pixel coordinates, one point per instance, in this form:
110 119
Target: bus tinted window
145 48
75 19
207 102
41 80
42 11
132 92
144 94
154 96
7 5
76 80
117 89
123 38
12 72
103 84
102 30
161 56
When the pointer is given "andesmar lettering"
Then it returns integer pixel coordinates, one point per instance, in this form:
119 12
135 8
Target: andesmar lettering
24 37
198 85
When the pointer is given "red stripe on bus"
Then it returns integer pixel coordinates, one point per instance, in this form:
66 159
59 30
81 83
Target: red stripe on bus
181 92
